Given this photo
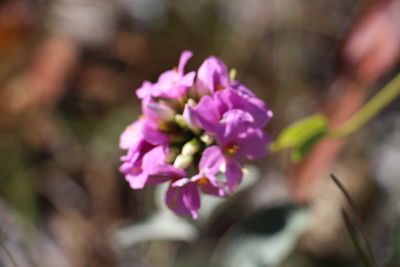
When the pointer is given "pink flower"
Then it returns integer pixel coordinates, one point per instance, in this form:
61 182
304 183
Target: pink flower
183 195
212 76
236 140
192 133
149 167
172 83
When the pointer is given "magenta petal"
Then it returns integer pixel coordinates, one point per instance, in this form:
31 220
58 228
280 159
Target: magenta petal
174 84
149 114
154 164
211 160
153 136
233 174
231 99
131 136
175 92
183 198
185 56
233 123
242 89
125 167
137 181
254 145
190 117
206 114
210 186
174 201
160 110
191 199
257 106
166 79
212 75
213 188
154 157
167 170
188 79
146 90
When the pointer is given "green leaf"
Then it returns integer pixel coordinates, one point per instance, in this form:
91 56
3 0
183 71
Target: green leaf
302 136
304 148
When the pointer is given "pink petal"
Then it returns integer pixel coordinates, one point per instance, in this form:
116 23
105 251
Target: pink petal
231 99
206 113
137 181
188 79
183 198
145 90
131 136
153 136
233 174
185 56
233 123
209 185
211 160
253 145
189 117
212 75
155 156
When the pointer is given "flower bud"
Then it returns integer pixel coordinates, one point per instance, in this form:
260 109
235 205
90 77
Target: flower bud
207 138
182 161
191 103
232 74
180 120
222 167
191 147
190 120
162 111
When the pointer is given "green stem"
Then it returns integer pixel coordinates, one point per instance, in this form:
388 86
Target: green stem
369 110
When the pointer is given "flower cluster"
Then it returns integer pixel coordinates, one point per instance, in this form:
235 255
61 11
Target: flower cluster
193 127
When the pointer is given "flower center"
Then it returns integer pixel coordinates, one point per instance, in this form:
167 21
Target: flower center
219 87
203 181
231 149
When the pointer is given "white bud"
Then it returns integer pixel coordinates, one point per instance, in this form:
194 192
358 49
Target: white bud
191 147
222 167
182 161
191 103
207 138
180 120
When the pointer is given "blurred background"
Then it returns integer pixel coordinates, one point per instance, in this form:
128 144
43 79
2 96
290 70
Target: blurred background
68 72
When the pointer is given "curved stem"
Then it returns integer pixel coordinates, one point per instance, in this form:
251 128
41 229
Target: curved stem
369 110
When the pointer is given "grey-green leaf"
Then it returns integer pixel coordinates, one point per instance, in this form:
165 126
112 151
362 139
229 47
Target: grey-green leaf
302 136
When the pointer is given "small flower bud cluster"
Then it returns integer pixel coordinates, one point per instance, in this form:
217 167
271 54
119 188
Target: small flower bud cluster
194 126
